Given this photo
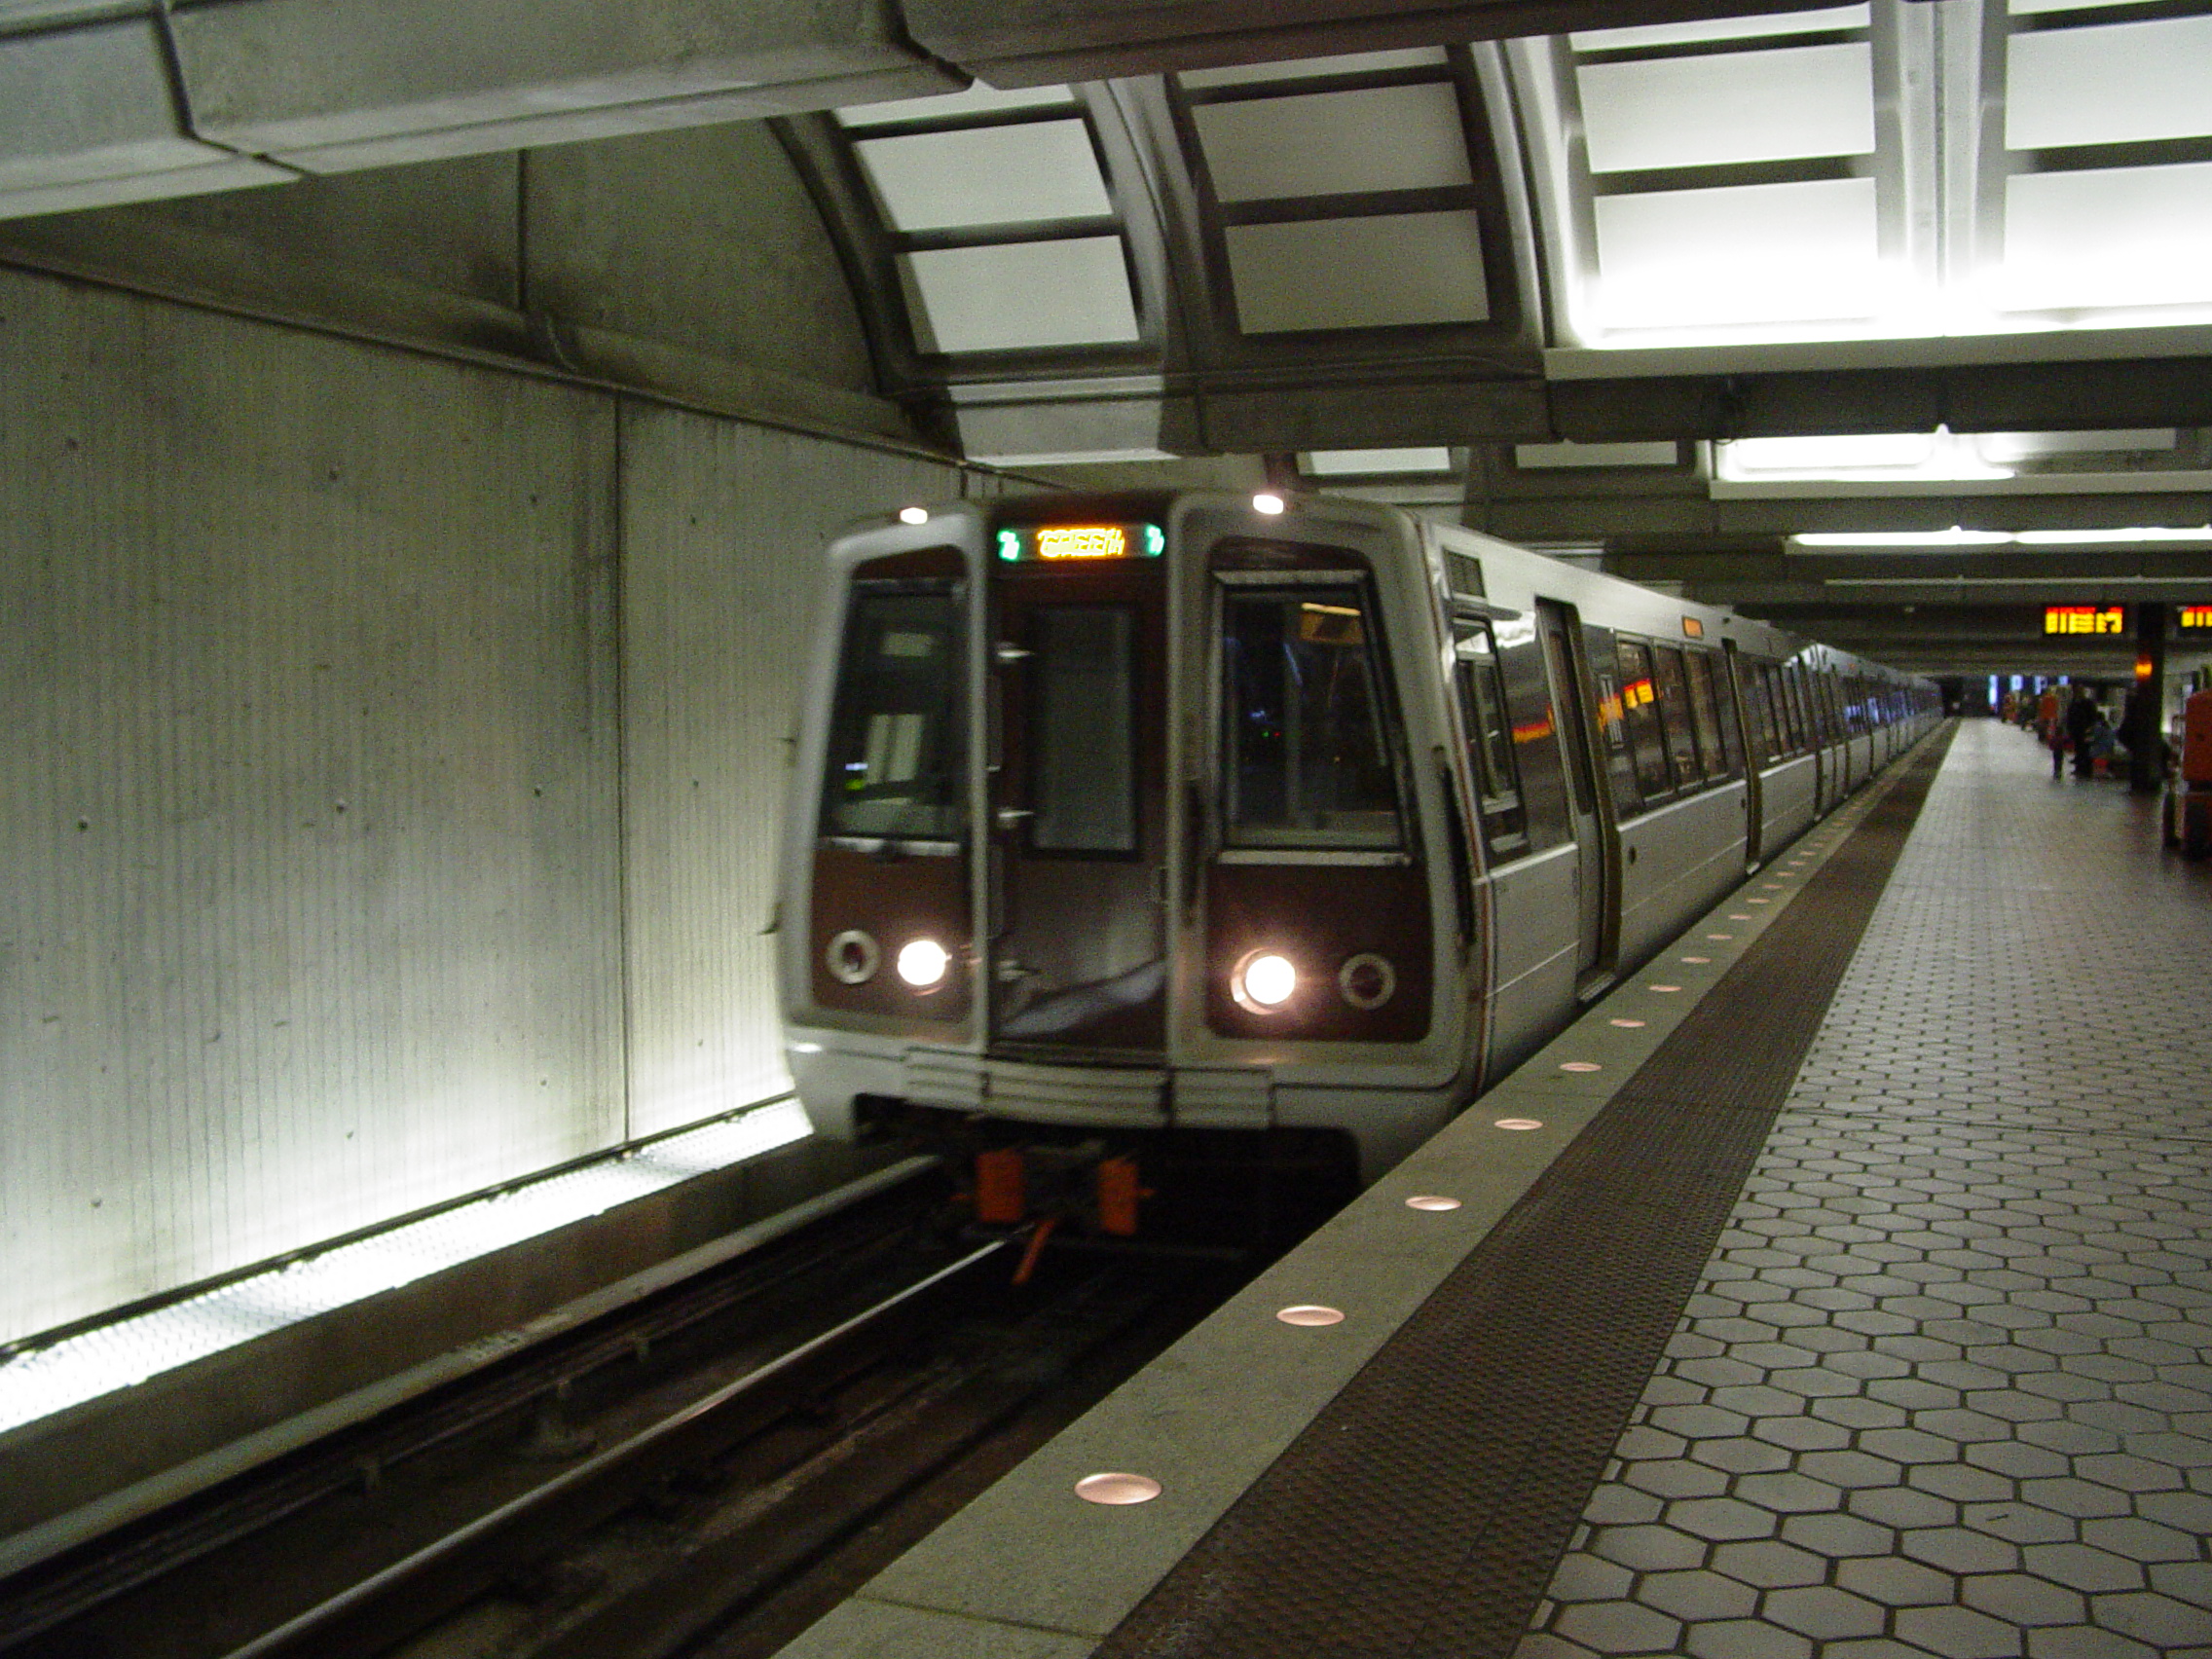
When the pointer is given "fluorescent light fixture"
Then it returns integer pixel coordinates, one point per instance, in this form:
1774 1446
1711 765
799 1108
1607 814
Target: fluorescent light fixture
1567 457
1940 455
2199 536
42 1380
1936 540
1931 539
2004 448
1374 462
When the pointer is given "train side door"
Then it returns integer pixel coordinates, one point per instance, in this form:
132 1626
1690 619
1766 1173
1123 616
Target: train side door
1076 954
1559 628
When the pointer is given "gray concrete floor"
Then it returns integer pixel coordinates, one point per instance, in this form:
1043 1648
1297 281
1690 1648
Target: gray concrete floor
1947 1386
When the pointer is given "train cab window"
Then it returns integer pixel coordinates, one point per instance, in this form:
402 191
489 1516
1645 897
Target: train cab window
1683 745
1714 751
1082 756
897 763
1306 759
1639 711
1481 685
1612 720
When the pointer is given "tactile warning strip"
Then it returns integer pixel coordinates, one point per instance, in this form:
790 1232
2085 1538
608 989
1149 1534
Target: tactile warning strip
1423 1510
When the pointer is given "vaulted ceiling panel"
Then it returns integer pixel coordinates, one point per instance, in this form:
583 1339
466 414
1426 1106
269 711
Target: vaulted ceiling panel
1379 272
1334 143
1803 250
985 175
2110 84
2108 237
1750 106
1020 296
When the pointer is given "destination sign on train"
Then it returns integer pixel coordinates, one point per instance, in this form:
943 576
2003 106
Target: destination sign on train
1054 542
2196 618
2085 619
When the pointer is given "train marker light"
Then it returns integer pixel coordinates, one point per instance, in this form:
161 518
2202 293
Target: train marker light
1117 1487
852 957
1367 981
1311 1314
1269 504
913 515
922 963
1264 981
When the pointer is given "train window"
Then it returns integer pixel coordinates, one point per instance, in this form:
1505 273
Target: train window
1536 734
1306 759
1612 720
897 763
1639 711
1683 739
1083 772
1753 677
1490 740
1714 748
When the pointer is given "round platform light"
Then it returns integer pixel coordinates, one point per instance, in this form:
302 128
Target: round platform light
913 515
1264 981
1431 1201
1521 1125
1116 1486
1311 1314
852 957
1268 504
922 963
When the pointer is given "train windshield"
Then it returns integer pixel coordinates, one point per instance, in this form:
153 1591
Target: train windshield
896 762
1306 759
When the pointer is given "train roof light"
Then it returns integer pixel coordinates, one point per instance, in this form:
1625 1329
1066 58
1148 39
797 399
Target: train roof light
1266 503
913 515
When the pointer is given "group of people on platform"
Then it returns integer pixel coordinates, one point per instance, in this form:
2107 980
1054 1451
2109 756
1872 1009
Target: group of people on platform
2079 727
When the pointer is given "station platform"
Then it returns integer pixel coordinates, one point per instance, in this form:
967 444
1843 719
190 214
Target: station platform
1840 1287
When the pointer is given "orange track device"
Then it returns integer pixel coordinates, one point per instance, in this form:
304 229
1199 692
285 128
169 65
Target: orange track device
1118 1195
1001 1195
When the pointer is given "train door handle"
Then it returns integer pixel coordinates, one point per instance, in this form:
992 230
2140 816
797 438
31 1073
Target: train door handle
1010 817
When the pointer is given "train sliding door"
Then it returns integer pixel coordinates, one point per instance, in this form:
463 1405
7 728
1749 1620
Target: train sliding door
1077 955
1556 622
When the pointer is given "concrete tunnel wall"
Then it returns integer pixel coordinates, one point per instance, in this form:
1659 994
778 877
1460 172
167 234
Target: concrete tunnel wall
390 804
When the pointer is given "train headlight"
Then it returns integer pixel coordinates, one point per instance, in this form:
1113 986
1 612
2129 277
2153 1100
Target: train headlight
922 963
1264 981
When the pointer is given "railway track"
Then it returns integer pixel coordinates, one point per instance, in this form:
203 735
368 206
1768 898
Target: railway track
697 1476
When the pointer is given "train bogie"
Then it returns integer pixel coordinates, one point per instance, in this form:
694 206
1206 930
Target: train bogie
1118 815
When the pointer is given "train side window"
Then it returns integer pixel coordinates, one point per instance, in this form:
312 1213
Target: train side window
1640 709
1752 677
1490 740
1684 740
1612 720
1788 740
897 763
1536 734
1306 758
1716 746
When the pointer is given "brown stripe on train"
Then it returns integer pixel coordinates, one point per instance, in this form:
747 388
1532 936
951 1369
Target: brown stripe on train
1422 1512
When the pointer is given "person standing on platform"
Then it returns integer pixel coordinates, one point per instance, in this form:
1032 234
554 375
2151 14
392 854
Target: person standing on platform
2080 720
2049 729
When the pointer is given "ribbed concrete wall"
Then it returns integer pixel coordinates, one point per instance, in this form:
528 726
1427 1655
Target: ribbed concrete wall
722 530
312 807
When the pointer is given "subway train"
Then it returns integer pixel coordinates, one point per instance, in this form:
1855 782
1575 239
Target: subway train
1116 816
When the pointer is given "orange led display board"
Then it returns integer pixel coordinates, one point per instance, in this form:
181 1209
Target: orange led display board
1083 541
2085 619
2193 617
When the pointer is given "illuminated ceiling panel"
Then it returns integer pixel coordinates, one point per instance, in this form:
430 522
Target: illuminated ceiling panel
1020 295
1800 251
2108 237
985 175
1374 462
1571 457
1736 106
1377 272
1333 143
2115 83
1300 68
1641 35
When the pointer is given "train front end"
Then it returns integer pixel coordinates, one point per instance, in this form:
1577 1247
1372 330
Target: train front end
1119 821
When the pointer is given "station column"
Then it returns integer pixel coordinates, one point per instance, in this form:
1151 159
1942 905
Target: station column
2143 734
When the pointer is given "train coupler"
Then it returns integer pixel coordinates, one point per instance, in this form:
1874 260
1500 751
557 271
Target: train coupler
1103 1193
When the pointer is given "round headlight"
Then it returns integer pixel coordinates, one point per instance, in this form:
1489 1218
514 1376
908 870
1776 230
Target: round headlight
852 957
1264 981
923 962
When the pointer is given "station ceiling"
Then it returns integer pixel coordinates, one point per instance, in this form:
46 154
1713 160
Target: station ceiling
1890 321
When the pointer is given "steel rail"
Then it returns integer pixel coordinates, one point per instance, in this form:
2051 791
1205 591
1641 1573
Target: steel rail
374 1615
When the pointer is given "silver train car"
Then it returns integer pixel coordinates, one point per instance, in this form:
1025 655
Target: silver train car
1130 814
